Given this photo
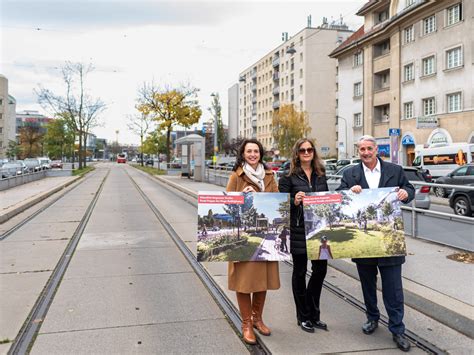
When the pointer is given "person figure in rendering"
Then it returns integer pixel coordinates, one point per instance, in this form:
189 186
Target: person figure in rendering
252 279
324 249
307 174
204 230
283 236
372 173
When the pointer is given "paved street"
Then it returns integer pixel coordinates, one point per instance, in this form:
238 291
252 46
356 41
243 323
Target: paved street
128 289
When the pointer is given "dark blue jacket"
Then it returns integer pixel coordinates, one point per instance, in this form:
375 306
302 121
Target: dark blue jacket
391 175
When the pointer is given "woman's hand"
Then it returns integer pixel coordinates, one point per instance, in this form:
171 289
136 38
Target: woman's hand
249 189
299 197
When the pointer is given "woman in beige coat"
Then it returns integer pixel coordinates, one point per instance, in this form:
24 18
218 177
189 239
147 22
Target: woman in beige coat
252 279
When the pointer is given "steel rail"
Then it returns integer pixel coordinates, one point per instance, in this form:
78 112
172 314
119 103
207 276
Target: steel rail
42 209
27 334
224 303
414 338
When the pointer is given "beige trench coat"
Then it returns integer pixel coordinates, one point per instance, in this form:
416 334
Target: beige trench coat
252 276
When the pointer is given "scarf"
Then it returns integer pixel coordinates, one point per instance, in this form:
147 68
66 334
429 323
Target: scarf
256 176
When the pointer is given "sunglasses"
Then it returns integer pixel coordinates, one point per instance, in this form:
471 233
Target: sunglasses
306 150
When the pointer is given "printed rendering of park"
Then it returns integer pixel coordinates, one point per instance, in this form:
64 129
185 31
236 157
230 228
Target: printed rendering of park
364 225
237 226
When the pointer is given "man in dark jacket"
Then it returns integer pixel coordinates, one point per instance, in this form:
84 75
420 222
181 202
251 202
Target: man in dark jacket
372 173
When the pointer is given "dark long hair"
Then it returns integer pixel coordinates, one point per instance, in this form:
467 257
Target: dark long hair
316 164
240 158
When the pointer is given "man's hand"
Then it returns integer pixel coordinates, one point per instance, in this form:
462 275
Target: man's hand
357 189
299 197
402 195
248 189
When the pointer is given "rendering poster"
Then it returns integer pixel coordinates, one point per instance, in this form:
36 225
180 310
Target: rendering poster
238 226
349 225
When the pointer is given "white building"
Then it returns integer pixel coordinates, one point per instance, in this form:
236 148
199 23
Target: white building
233 111
7 117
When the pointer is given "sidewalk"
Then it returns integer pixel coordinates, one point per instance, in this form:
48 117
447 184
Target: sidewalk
434 285
20 198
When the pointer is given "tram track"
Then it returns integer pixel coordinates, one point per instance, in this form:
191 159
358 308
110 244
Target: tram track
191 198
27 334
224 303
48 204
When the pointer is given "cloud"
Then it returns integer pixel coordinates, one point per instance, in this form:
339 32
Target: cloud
86 14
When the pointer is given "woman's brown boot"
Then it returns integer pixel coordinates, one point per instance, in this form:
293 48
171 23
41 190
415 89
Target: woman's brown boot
245 306
258 301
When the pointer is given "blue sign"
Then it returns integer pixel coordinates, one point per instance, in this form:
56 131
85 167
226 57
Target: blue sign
408 140
394 131
203 129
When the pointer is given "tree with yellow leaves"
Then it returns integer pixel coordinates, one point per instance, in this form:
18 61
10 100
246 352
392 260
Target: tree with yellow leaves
289 125
169 107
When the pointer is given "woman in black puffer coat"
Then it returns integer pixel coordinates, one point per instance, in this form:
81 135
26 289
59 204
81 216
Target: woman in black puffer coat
307 174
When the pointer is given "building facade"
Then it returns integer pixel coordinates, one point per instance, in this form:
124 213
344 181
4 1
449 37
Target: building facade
7 117
415 79
297 72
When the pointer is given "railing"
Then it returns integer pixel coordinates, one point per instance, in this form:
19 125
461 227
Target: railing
17 180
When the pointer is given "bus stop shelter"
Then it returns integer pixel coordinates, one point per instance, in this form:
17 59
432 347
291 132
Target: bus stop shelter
193 156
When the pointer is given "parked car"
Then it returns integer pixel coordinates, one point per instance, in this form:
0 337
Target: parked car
284 169
334 182
330 161
331 169
422 193
56 164
343 162
463 175
33 164
11 169
274 165
45 163
149 162
462 202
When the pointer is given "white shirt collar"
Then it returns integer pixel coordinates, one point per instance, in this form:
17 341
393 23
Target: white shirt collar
376 169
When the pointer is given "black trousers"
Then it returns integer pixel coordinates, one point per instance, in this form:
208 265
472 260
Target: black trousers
307 297
392 293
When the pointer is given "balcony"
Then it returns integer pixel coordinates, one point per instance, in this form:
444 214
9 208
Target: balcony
254 87
276 90
253 74
381 114
254 123
254 111
276 76
382 80
254 99
276 104
276 62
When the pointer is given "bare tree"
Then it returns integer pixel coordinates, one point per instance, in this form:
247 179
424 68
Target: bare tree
80 110
139 125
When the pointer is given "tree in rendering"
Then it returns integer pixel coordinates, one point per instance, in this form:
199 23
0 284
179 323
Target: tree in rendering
76 105
289 125
169 107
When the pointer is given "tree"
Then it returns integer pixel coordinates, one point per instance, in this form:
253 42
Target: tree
169 107
232 146
371 211
284 211
289 125
216 111
13 150
58 138
79 108
387 209
155 143
139 124
31 139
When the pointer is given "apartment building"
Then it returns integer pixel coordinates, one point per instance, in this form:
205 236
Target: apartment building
7 117
297 72
408 69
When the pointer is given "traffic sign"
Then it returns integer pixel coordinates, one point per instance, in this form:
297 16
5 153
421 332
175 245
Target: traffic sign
394 131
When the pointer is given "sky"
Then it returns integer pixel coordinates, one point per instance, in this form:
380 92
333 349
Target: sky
204 44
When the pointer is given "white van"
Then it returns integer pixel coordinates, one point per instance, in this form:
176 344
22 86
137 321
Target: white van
440 160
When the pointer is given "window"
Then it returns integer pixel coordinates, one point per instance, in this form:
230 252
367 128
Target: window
381 16
428 65
301 73
408 72
301 89
1 129
409 2
358 59
301 57
407 110
358 120
409 34
453 58
454 102
358 89
429 25
454 14
429 106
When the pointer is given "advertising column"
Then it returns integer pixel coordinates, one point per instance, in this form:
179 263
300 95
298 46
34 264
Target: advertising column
394 133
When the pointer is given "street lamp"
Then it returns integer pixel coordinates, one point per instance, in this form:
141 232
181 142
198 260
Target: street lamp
345 131
216 148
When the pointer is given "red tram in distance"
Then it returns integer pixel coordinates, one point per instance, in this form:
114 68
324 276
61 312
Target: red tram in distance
121 158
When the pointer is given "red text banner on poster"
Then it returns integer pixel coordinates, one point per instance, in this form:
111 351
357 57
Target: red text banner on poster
322 199
221 199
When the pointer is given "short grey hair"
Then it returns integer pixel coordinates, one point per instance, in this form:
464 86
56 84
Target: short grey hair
368 138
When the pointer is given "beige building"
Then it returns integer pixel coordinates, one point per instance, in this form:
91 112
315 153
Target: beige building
7 117
409 69
297 72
